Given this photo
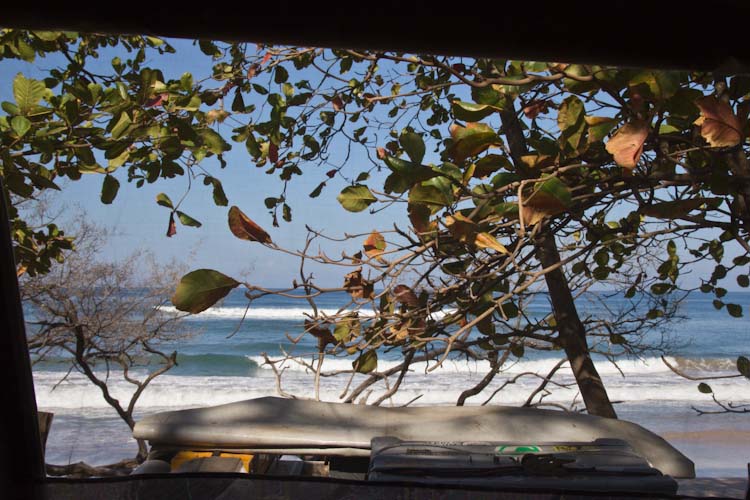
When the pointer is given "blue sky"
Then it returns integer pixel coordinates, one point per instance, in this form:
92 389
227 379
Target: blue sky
140 223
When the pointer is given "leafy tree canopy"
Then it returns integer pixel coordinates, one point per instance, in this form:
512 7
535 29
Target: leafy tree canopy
517 177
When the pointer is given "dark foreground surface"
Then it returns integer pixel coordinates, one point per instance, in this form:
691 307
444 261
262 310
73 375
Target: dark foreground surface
230 486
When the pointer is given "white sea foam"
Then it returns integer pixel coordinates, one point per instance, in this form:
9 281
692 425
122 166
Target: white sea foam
275 313
642 383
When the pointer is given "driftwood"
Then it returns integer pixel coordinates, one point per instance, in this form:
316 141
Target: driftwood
45 422
82 469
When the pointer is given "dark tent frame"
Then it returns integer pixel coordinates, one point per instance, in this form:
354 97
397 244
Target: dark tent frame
706 36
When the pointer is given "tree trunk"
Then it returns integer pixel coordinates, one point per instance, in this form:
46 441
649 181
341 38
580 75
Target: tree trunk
572 333
142 451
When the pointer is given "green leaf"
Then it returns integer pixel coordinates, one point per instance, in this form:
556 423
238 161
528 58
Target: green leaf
213 141
287 89
510 309
517 350
705 388
486 95
660 288
110 186
570 120
456 267
491 163
409 173
431 196
678 208
121 126
186 81
470 141
356 198
413 145
658 85
199 290
470 112
155 41
10 108
743 280
186 220
734 310
281 75
342 329
743 366
617 339
47 36
218 192
550 189
316 192
163 200
20 125
27 92
209 48
367 362
253 147
599 127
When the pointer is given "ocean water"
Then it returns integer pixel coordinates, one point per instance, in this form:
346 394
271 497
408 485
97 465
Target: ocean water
224 363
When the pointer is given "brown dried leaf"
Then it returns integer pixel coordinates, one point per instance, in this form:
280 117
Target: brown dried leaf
273 153
406 295
357 286
627 144
419 215
172 227
244 228
407 328
375 245
532 215
535 108
719 125
252 71
337 103
216 115
323 335
462 228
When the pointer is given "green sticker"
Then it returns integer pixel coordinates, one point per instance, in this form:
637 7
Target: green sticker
518 449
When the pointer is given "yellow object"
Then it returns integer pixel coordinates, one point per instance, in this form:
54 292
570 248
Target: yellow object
185 456
246 459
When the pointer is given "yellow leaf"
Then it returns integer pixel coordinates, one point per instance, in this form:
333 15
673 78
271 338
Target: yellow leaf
486 240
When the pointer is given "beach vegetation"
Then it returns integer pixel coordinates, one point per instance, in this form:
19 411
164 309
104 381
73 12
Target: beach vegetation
104 318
